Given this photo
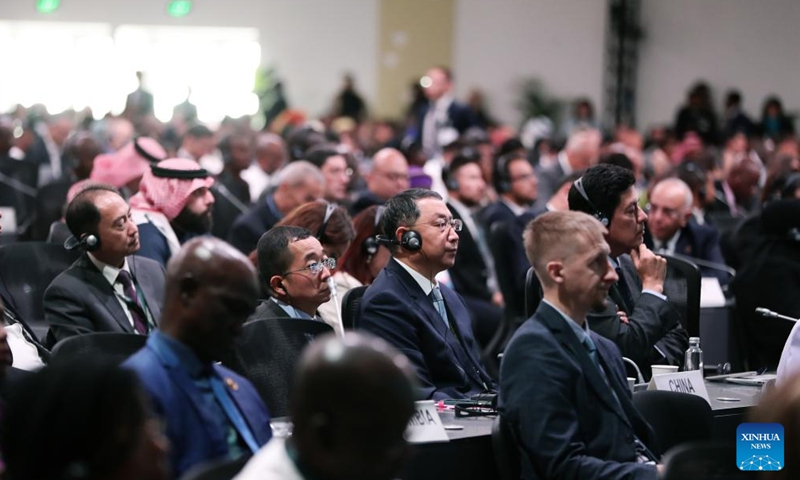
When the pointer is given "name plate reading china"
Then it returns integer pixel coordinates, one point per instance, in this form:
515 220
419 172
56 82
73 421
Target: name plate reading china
685 382
425 425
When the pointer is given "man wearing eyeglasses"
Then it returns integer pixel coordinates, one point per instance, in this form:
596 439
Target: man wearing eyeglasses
671 228
294 267
410 309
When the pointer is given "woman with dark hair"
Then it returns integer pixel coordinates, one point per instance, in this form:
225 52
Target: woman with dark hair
775 124
333 227
365 258
84 420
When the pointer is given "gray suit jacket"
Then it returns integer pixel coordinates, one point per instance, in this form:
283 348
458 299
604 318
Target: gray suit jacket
80 300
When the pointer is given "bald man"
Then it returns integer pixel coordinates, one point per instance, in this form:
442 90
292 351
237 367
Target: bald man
671 228
581 152
350 403
388 177
209 411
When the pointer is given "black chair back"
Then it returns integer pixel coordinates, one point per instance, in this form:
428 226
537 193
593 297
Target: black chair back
504 250
506 450
26 270
103 346
675 417
216 470
709 460
533 293
266 353
351 303
682 288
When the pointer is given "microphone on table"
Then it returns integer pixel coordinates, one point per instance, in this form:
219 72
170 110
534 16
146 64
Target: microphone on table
765 312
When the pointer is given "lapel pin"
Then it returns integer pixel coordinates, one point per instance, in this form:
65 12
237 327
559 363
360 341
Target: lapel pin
231 384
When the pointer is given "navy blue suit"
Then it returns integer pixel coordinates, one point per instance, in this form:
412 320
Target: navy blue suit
190 426
565 416
447 362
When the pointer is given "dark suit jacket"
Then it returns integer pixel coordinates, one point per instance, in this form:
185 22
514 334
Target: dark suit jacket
697 241
396 309
566 419
459 116
652 322
364 201
80 300
548 182
469 274
249 226
268 309
189 424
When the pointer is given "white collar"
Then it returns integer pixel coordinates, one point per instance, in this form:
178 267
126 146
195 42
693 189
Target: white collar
110 272
563 160
424 282
669 245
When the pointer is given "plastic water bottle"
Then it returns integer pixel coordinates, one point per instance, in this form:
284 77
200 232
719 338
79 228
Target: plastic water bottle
693 360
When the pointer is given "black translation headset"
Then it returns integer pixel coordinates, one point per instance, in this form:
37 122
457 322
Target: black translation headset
449 179
371 244
327 218
411 239
600 216
90 242
501 179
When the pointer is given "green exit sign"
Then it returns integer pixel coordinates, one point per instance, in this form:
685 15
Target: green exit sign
179 8
47 6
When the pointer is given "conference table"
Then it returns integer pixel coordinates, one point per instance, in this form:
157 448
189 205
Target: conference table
469 454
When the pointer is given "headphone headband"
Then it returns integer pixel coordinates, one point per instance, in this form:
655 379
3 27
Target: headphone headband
328 214
578 184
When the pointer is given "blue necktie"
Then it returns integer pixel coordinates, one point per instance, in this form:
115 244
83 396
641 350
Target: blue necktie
232 412
438 302
588 343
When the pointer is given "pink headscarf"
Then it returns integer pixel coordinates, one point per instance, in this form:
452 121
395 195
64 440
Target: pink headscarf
168 195
128 163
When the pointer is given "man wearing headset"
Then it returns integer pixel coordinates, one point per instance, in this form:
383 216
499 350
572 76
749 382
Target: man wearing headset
638 317
295 268
107 289
407 307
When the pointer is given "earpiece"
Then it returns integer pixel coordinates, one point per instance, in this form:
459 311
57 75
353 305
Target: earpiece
449 181
90 242
578 184
371 245
411 241
501 180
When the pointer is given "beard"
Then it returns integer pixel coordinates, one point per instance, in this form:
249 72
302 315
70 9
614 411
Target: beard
191 222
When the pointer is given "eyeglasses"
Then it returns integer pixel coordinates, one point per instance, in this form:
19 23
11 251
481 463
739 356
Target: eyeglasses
442 224
316 267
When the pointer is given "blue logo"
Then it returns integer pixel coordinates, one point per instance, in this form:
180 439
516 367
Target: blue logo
759 447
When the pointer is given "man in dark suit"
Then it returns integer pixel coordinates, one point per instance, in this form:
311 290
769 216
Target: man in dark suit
442 119
672 229
295 268
562 386
107 289
473 275
503 221
300 182
139 103
408 308
209 412
637 317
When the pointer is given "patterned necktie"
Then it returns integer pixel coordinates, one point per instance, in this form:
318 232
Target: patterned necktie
438 303
132 301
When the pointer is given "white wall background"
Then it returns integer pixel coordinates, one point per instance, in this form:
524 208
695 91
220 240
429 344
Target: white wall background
750 45
499 42
311 42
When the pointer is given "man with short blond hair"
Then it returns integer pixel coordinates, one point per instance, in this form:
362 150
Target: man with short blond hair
563 387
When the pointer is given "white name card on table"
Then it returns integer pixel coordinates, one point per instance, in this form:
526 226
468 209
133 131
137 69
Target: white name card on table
425 425
684 382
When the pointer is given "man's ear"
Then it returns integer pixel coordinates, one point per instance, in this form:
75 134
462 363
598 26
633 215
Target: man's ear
686 217
276 285
554 270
